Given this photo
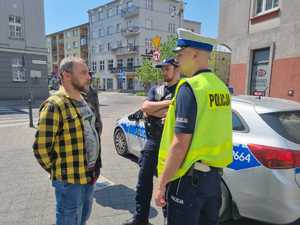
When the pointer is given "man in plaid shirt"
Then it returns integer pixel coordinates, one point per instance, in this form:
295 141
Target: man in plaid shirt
67 143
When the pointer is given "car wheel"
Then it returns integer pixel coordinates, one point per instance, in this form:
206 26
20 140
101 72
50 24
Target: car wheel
225 210
120 142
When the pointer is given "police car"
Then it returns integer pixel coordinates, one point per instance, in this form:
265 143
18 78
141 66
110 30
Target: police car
263 181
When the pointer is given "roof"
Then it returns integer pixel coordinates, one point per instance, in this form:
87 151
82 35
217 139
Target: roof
267 104
70 28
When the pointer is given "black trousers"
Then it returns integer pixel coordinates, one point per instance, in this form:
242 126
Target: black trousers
194 199
144 188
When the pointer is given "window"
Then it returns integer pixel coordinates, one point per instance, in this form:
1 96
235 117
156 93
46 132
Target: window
149 4
237 124
265 5
172 10
100 15
101 65
148 24
110 12
94 66
129 4
68 45
286 124
15 27
18 72
119 44
110 64
130 63
172 28
148 43
100 48
93 18
118 10
83 41
95 35
119 63
75 44
260 74
75 33
108 46
109 30
93 50
118 28
101 32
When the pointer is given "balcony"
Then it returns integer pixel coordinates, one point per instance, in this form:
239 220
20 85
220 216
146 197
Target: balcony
128 69
130 31
129 50
130 11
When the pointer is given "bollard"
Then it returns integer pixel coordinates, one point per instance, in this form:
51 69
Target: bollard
30 113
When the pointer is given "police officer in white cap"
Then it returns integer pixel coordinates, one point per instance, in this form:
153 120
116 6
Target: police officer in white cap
197 139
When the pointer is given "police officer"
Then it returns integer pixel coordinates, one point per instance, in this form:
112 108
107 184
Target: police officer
197 139
155 108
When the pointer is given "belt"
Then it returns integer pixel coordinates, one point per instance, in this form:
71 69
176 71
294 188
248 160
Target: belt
202 167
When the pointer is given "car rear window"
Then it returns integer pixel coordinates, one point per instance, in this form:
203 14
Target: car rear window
286 124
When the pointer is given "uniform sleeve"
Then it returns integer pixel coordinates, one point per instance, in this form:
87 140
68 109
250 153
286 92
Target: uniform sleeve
151 94
186 110
45 136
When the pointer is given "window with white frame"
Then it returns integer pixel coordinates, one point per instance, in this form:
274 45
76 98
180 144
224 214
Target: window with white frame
94 66
15 27
101 65
149 4
83 41
172 28
148 24
120 63
262 6
18 72
130 63
110 64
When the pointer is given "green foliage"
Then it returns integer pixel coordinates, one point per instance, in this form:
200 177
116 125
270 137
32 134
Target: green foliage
166 48
147 73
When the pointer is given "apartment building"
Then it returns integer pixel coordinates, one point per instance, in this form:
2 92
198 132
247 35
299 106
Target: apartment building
121 32
23 52
69 42
264 37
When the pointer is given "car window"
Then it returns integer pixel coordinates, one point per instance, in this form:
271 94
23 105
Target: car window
237 124
286 124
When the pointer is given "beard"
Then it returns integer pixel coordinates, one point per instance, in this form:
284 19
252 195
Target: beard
79 87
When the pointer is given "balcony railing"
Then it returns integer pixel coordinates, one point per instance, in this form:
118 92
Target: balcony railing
125 50
131 31
130 11
124 69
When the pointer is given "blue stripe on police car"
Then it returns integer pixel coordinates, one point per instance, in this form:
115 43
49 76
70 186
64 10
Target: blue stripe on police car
243 158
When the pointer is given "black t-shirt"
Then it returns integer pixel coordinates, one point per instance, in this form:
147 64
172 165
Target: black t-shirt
156 123
186 108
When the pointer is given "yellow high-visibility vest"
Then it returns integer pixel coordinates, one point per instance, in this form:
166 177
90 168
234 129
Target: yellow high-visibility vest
212 138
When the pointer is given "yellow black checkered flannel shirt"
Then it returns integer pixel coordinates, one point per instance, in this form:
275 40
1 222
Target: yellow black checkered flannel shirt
59 141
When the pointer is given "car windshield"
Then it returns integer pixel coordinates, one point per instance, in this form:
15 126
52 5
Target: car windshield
287 124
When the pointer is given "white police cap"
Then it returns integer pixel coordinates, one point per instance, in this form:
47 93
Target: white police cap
187 38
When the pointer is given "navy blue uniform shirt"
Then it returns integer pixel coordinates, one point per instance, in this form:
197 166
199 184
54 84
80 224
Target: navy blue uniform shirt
186 108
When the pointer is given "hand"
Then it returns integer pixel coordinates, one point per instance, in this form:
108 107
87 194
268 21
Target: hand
160 196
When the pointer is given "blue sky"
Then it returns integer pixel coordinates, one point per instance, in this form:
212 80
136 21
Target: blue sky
62 14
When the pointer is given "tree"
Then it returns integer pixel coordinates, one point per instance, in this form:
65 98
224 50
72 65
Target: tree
147 73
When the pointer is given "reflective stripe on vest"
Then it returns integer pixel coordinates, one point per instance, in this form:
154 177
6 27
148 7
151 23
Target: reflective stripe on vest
212 137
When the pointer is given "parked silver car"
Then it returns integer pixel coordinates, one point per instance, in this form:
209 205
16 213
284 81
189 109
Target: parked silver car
263 182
